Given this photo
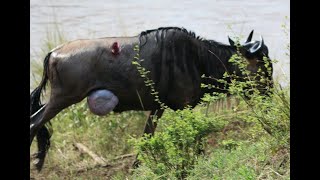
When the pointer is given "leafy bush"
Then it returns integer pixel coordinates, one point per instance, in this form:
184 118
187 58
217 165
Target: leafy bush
175 149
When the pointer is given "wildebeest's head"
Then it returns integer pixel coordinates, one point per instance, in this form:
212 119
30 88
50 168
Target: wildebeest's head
257 55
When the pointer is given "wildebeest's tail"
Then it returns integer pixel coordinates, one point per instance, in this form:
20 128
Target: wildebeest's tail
43 135
35 103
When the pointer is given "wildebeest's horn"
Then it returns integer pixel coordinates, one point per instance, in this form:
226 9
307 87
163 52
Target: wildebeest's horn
249 37
256 47
231 41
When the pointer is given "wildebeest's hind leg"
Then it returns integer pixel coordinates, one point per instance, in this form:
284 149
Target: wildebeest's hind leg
43 143
149 128
43 138
56 104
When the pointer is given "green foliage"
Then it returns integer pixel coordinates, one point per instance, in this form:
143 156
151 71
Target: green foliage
248 161
269 108
176 148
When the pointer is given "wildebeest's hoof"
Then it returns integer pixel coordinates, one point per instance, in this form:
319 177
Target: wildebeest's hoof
38 161
136 164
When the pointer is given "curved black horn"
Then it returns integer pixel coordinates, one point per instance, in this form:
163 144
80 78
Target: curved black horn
249 37
231 41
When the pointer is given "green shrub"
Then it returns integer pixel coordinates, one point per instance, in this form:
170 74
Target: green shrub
176 148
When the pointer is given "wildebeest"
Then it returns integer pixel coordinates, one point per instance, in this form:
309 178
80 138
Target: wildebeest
175 57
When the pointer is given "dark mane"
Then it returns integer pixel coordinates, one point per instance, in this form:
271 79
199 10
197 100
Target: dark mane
181 29
194 58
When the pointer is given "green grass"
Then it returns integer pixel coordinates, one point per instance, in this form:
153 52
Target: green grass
248 161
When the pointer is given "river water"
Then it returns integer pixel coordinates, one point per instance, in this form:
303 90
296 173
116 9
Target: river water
211 19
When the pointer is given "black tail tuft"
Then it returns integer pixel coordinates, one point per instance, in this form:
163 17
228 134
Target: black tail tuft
35 103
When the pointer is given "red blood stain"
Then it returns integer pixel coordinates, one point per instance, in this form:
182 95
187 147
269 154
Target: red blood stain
115 48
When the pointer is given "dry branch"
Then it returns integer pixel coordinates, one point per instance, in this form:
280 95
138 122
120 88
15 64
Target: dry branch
94 156
100 162
123 156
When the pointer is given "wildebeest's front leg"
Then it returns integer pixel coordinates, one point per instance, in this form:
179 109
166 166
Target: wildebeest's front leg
149 128
151 125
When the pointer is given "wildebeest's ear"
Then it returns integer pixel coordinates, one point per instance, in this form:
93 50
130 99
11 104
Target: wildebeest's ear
231 41
249 37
